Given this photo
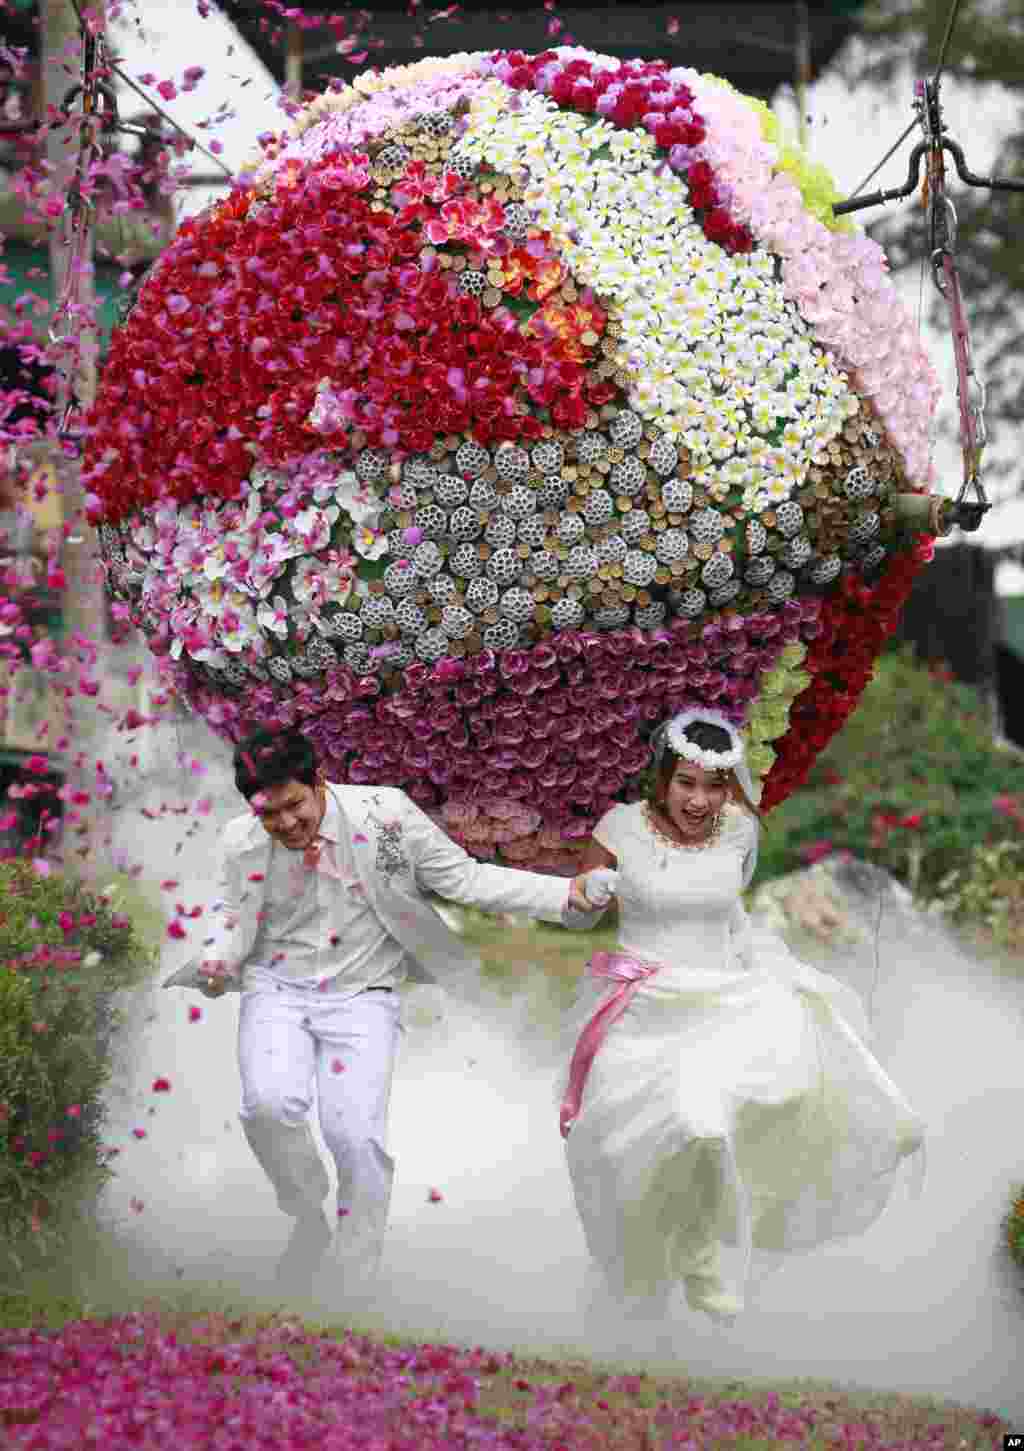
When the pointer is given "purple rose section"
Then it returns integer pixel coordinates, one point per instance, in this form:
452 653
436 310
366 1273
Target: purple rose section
517 754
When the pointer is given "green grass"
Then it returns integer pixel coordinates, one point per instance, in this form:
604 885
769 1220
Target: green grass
204 1315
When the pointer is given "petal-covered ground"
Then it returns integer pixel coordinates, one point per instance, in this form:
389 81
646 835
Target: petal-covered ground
219 1384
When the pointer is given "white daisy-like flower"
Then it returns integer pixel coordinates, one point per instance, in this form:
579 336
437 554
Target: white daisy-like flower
636 313
735 473
644 394
721 444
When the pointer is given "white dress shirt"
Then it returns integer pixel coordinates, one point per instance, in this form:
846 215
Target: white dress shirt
399 856
316 930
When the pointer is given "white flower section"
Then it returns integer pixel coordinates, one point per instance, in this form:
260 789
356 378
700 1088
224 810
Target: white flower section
349 493
211 570
315 584
720 360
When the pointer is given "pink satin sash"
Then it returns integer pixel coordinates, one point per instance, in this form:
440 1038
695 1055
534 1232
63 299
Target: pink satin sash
627 973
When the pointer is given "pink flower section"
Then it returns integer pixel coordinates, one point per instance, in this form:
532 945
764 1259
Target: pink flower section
839 282
526 749
376 114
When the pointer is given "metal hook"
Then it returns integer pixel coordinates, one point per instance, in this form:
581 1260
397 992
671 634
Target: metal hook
108 114
897 193
943 220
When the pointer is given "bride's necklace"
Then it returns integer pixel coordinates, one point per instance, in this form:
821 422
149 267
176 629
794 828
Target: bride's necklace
663 835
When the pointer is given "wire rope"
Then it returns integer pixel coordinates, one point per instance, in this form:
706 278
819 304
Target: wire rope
950 24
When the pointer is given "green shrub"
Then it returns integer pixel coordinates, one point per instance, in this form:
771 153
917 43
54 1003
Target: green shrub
913 783
64 952
989 892
1013 1226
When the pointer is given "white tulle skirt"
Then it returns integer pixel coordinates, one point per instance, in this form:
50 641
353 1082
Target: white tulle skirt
739 1108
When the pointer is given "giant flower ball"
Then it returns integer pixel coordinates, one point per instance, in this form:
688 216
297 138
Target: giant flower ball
507 405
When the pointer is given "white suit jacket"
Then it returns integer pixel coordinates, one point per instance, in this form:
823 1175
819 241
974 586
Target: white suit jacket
398 853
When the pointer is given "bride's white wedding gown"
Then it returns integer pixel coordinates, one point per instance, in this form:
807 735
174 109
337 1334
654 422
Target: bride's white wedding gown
735 1101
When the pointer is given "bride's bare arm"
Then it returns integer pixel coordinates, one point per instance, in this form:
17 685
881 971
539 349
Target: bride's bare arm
596 856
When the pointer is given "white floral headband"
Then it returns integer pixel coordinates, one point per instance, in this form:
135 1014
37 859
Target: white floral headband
672 734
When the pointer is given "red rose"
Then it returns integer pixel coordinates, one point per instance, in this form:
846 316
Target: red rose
668 133
562 89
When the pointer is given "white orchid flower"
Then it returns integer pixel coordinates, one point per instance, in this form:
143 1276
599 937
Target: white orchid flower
361 504
273 616
368 542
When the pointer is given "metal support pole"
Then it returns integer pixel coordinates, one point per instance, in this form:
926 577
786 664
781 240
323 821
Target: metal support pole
293 62
803 71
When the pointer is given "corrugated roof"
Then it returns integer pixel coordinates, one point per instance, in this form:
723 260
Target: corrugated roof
752 43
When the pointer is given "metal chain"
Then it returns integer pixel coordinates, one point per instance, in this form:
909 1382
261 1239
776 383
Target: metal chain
942 227
79 211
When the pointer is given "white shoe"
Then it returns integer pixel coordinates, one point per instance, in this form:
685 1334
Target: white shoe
705 1289
309 1242
707 1293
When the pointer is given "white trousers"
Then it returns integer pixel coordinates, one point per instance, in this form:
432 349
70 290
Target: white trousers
290 1038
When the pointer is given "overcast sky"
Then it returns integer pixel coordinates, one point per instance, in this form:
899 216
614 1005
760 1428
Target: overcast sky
850 131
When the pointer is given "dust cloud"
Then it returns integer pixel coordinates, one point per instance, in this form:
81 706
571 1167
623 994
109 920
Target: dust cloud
921 1303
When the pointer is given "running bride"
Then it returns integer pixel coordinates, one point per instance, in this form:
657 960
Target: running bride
721 1092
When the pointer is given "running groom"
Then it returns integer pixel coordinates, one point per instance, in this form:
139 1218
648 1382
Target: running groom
322 919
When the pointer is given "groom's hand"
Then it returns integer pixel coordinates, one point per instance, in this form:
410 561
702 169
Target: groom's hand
578 897
596 888
593 890
216 984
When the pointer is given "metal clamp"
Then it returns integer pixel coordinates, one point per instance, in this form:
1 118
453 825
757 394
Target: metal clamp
971 504
107 114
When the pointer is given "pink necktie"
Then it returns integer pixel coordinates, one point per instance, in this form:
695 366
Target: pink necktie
627 973
319 857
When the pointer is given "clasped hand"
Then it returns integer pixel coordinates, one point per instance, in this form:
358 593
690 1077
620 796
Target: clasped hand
216 984
593 890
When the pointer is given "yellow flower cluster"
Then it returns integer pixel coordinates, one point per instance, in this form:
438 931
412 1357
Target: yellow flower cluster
769 714
817 188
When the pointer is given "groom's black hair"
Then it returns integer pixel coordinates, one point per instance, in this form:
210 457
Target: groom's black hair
269 758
